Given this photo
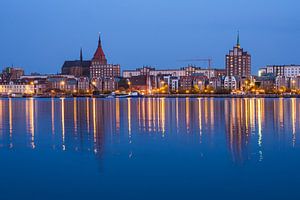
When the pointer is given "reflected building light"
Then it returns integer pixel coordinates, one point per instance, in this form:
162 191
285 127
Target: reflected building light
206 111
187 114
52 116
117 114
259 120
10 110
1 117
293 110
246 111
63 122
88 114
200 118
163 115
212 114
281 112
144 113
154 113
139 113
129 116
177 115
149 113
252 114
158 114
94 120
75 114
31 121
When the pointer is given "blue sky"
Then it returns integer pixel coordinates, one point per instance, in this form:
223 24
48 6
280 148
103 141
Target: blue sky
39 35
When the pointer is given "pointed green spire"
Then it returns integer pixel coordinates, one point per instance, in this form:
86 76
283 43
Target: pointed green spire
238 40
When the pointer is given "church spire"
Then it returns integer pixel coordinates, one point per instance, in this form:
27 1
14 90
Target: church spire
81 57
99 55
99 40
238 40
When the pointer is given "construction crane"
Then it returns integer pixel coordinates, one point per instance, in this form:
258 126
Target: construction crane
208 60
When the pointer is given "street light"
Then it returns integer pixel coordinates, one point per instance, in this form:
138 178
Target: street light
62 83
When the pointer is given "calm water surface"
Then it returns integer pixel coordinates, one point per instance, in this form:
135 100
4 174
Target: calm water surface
149 148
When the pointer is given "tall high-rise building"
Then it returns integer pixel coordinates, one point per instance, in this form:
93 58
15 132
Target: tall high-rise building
238 62
99 67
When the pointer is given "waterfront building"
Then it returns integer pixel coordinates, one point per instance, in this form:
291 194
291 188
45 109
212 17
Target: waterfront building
104 84
231 82
83 84
266 82
39 82
100 68
11 74
295 83
197 82
77 68
281 70
215 82
184 71
238 62
139 83
282 82
16 88
62 83
172 82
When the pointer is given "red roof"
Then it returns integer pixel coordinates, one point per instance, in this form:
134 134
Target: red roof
99 54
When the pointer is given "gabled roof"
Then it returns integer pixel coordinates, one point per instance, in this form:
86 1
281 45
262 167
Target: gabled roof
77 63
99 54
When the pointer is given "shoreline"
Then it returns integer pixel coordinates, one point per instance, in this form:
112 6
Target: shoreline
165 96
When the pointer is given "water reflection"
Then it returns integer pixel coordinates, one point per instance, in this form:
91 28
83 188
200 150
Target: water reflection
241 126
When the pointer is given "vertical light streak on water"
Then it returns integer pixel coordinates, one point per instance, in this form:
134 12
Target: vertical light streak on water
117 114
149 112
31 122
63 122
88 114
163 116
206 111
212 113
293 110
281 107
75 114
1 118
154 114
187 114
10 110
232 122
94 120
200 118
139 113
158 114
144 113
129 117
252 115
177 116
246 114
259 113
52 116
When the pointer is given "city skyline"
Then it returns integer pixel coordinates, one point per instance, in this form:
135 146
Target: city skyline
159 41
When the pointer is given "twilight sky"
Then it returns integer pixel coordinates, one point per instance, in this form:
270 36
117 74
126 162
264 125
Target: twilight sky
39 35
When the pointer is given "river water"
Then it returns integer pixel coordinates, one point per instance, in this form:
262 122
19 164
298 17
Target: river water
143 148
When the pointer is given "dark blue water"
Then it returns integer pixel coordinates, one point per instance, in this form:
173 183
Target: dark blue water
149 148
